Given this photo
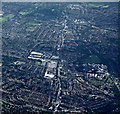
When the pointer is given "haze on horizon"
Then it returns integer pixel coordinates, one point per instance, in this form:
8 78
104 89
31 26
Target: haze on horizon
60 0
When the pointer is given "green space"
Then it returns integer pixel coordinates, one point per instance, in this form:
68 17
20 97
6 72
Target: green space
37 63
10 16
78 86
107 75
22 22
23 13
30 29
4 19
108 79
37 4
7 17
12 19
57 25
92 59
97 6
93 5
105 6
26 12
105 78
64 85
96 82
34 23
52 105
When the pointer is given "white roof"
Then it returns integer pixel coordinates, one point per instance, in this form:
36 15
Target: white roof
49 75
37 53
52 64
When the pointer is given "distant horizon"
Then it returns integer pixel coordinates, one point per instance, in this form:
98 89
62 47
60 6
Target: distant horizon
59 0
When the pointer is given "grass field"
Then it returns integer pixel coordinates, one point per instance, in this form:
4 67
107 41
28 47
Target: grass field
7 17
96 82
30 29
23 13
98 6
26 12
34 23
37 63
